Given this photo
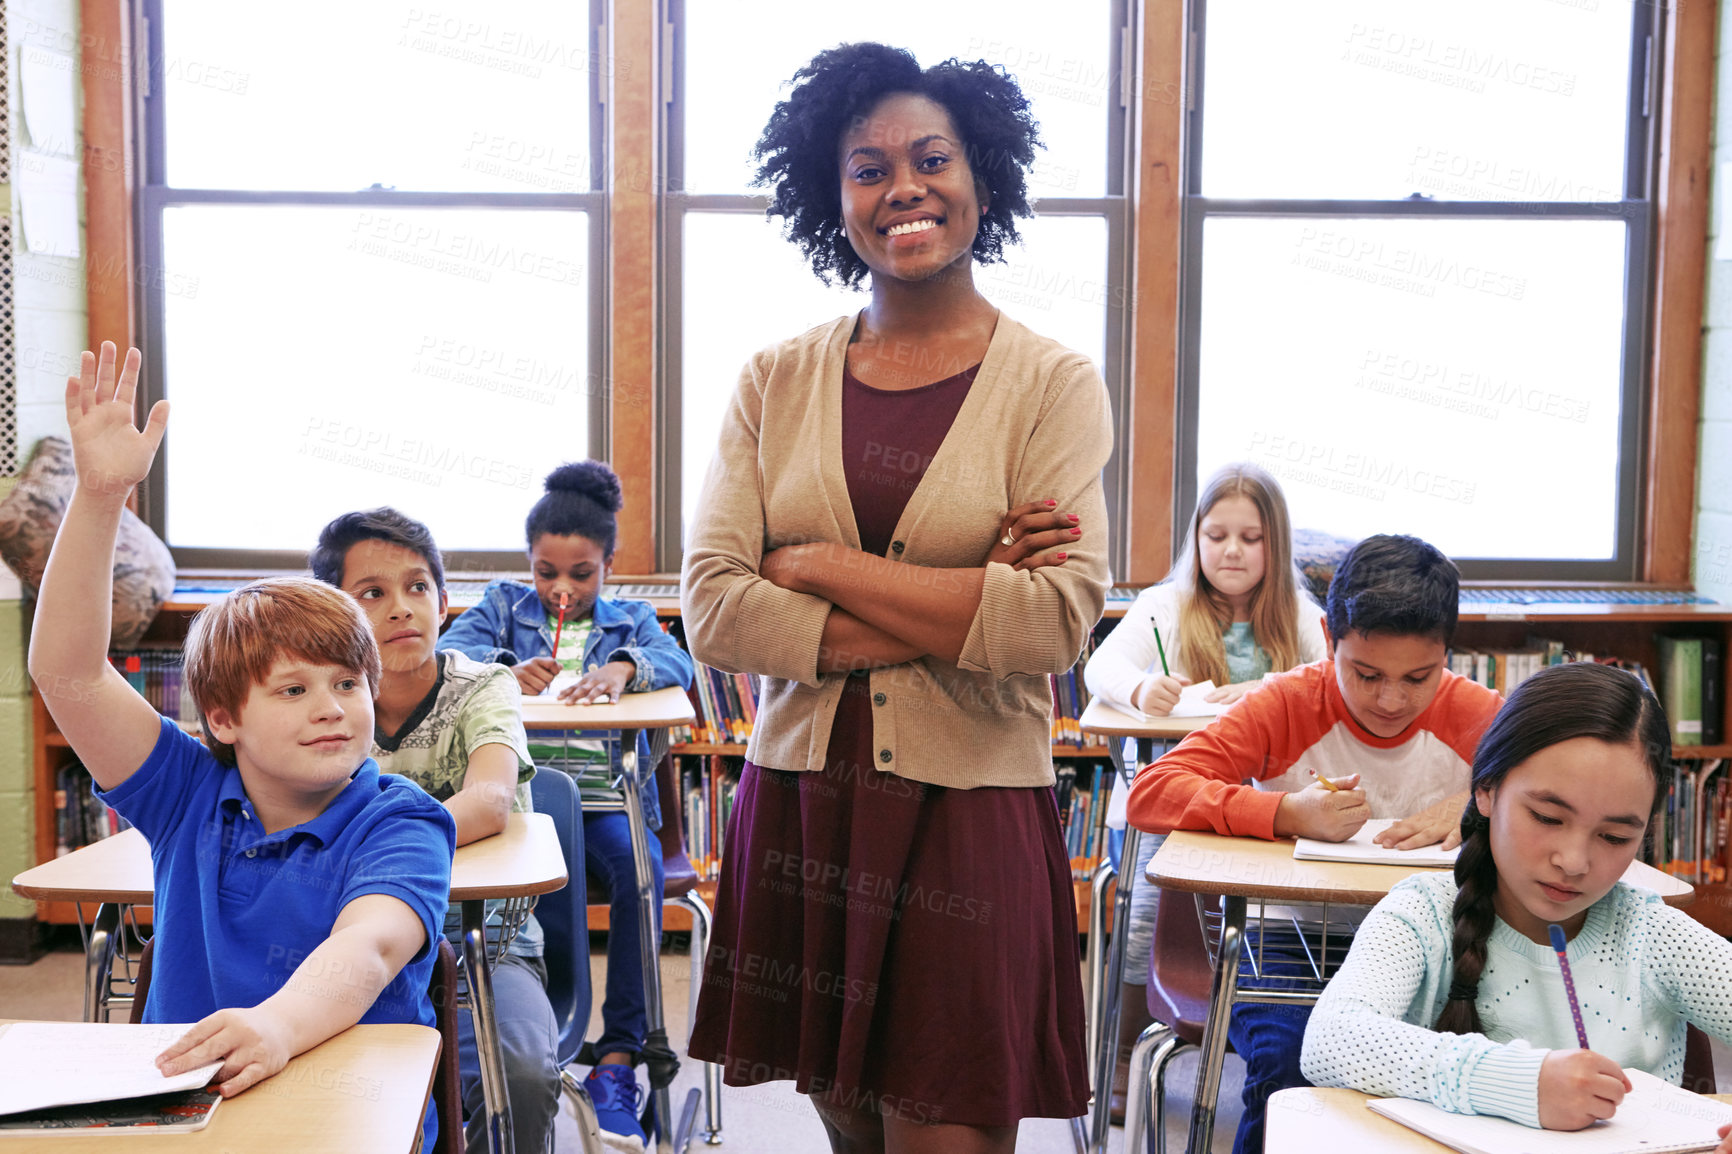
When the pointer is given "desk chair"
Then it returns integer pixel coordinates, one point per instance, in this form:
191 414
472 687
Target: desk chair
564 923
442 989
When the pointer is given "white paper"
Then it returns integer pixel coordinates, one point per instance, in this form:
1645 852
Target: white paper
48 202
1360 848
1191 703
557 685
1654 1118
65 1063
45 79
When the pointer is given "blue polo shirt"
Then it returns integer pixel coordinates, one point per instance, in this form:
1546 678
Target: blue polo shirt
238 910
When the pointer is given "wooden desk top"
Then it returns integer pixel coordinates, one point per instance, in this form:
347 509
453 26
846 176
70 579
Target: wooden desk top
524 860
1109 721
658 709
1302 1121
365 1089
1206 863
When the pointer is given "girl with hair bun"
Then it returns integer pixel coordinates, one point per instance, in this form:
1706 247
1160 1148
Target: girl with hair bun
606 647
1452 994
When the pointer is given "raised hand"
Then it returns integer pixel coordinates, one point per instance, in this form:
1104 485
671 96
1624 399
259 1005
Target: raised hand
1578 1088
1038 532
110 452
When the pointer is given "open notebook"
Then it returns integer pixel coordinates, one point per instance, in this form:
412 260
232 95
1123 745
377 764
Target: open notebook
1655 1118
70 1076
1360 848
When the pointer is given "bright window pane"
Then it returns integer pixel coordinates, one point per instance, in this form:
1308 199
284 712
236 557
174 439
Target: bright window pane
464 95
1471 100
1454 379
319 357
1055 282
740 55
771 296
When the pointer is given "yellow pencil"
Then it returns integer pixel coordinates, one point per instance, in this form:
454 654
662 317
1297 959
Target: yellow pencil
1325 782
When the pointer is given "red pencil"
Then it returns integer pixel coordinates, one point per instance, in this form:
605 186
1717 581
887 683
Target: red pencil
559 628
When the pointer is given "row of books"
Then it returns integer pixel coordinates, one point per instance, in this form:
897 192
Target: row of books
1082 812
1504 669
156 674
726 705
1070 696
1692 837
707 786
79 817
1692 688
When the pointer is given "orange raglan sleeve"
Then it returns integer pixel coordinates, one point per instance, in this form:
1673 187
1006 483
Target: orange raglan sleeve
1199 783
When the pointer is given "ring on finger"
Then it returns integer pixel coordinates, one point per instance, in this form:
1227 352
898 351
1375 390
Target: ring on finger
1007 539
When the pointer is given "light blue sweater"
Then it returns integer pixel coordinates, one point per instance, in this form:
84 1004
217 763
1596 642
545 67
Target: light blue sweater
1642 971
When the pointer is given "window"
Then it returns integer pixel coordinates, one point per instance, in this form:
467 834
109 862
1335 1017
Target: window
733 284
371 243
1417 268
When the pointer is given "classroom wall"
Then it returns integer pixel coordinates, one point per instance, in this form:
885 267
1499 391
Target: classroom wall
1713 552
49 310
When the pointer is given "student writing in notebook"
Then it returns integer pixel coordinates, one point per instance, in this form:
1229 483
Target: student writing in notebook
1452 993
298 889
1384 718
612 646
453 726
1232 609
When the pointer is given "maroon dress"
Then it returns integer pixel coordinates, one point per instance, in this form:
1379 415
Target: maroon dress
909 949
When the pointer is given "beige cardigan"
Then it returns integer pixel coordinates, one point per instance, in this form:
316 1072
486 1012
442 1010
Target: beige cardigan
1035 425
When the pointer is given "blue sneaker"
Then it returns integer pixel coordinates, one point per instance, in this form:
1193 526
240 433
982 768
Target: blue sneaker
614 1091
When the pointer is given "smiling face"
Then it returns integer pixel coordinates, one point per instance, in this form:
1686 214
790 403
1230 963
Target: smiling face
300 732
910 202
1565 825
1388 679
396 590
1231 550
572 564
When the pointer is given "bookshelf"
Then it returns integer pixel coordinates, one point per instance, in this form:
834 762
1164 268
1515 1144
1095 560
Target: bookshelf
1626 630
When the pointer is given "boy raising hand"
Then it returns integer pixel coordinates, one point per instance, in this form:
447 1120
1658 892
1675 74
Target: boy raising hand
298 890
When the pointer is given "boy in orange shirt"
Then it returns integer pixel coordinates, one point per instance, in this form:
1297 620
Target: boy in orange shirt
1382 718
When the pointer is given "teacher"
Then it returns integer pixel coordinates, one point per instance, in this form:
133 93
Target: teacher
902 533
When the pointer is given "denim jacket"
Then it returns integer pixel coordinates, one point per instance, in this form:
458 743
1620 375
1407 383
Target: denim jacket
509 626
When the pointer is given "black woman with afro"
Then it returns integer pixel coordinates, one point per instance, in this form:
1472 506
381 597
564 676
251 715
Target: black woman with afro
902 534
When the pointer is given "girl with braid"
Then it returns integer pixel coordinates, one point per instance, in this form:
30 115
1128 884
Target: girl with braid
1452 993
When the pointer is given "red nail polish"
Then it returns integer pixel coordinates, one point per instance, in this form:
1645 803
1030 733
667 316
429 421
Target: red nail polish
1076 532
1073 516
1050 504
1060 556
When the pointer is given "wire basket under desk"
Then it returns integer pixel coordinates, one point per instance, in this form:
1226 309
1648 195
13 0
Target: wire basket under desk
1301 945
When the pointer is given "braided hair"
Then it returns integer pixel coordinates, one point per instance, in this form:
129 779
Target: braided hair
1561 702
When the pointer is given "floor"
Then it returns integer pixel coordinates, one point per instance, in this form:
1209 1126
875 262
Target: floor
765 1119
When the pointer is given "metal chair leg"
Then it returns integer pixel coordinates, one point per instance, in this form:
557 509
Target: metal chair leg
1136 1094
1156 1088
99 960
588 1128
701 923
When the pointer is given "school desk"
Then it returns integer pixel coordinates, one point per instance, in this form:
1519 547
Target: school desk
523 861
363 1089
1308 1119
633 712
1240 870
1105 966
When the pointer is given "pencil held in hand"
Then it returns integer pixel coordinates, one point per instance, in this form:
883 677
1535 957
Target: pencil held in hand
1325 782
1562 946
559 627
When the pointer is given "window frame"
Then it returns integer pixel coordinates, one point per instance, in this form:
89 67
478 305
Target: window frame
1114 207
1638 210
153 195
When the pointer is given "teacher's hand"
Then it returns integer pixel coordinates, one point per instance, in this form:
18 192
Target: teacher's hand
1039 533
